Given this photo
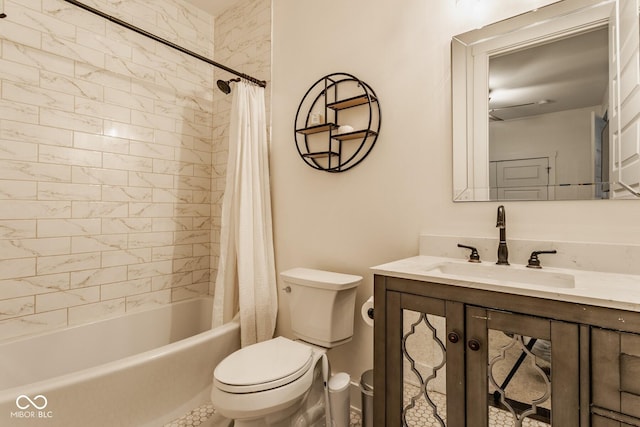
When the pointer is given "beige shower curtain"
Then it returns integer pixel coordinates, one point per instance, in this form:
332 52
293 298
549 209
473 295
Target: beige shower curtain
246 279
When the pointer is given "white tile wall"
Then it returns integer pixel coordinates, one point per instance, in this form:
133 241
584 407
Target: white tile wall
105 161
113 155
243 42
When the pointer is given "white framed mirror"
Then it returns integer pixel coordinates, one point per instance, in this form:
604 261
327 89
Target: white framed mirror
538 113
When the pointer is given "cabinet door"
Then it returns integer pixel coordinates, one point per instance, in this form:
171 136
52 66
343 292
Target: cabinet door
521 370
424 362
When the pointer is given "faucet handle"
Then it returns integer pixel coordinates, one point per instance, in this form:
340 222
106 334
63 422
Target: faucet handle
534 261
474 256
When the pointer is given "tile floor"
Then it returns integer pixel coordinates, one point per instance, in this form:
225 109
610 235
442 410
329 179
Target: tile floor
421 415
197 417
202 416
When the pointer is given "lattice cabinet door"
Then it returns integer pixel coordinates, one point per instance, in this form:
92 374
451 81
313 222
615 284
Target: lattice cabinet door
522 371
424 361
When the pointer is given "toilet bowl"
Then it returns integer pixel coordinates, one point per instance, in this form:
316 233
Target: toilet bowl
279 382
266 383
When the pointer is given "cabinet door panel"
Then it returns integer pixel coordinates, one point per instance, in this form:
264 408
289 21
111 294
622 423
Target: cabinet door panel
511 361
392 397
565 356
476 328
523 325
455 360
630 374
423 369
505 384
605 368
630 344
424 361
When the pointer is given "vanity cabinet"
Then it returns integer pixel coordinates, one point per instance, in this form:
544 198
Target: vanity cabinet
474 338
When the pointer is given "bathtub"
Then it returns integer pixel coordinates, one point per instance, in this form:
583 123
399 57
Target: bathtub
140 369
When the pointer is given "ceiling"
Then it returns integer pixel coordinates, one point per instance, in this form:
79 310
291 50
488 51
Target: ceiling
566 74
213 7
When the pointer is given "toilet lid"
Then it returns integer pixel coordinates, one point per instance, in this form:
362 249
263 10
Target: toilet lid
262 366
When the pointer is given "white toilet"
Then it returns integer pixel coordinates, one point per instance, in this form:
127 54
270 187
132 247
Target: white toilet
279 382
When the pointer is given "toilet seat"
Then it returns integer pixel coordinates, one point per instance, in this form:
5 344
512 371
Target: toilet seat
263 366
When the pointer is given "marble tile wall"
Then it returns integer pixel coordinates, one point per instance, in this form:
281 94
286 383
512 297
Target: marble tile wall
242 42
105 161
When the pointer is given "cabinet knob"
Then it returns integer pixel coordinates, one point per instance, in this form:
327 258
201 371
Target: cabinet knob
474 345
453 337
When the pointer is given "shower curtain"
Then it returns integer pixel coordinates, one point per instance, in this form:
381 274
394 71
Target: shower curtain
246 279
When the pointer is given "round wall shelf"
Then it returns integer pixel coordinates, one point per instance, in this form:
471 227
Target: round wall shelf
337 123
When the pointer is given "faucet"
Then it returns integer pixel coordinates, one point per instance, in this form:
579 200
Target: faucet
501 223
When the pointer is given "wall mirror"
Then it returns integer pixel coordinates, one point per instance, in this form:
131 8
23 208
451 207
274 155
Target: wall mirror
546 105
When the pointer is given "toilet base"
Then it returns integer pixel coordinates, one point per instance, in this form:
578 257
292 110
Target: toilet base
308 410
282 418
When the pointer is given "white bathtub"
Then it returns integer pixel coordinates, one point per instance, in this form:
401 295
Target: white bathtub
140 369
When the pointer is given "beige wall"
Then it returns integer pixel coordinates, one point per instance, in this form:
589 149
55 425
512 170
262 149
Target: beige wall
374 213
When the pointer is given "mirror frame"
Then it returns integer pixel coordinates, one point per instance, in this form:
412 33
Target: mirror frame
470 53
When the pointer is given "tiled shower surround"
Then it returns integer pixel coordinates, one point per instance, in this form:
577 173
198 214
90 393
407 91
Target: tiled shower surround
110 161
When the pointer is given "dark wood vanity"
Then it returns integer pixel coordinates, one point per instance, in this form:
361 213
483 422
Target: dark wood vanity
594 377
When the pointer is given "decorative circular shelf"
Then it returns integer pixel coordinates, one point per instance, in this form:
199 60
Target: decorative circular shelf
337 123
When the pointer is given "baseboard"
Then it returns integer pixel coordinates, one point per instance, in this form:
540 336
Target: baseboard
355 397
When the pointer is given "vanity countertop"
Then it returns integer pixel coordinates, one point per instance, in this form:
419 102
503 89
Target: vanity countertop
612 290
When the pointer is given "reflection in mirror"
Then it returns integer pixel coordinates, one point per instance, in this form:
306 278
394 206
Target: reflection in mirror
547 124
519 380
535 106
424 370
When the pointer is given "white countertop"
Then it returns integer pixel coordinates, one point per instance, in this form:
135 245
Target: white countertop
620 291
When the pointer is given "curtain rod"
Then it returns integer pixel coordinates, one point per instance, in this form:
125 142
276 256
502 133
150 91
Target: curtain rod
165 42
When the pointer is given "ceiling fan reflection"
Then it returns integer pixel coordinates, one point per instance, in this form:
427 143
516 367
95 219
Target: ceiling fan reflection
493 117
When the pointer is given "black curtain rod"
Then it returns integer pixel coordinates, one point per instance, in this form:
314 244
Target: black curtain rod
260 83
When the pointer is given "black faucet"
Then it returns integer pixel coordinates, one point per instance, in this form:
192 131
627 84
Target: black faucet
501 223
474 256
534 261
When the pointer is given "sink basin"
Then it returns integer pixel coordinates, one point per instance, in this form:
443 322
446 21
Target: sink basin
504 273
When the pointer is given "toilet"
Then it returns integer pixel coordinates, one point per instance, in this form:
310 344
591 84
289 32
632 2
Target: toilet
279 382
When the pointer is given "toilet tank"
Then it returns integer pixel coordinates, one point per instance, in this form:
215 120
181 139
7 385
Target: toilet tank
321 305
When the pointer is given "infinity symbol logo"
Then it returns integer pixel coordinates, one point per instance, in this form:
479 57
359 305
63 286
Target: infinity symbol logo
31 402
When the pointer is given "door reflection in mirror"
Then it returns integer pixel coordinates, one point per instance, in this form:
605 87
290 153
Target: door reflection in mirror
548 102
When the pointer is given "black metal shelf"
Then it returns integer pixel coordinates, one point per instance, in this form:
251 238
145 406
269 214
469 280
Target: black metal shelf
320 154
354 135
351 102
327 95
325 127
